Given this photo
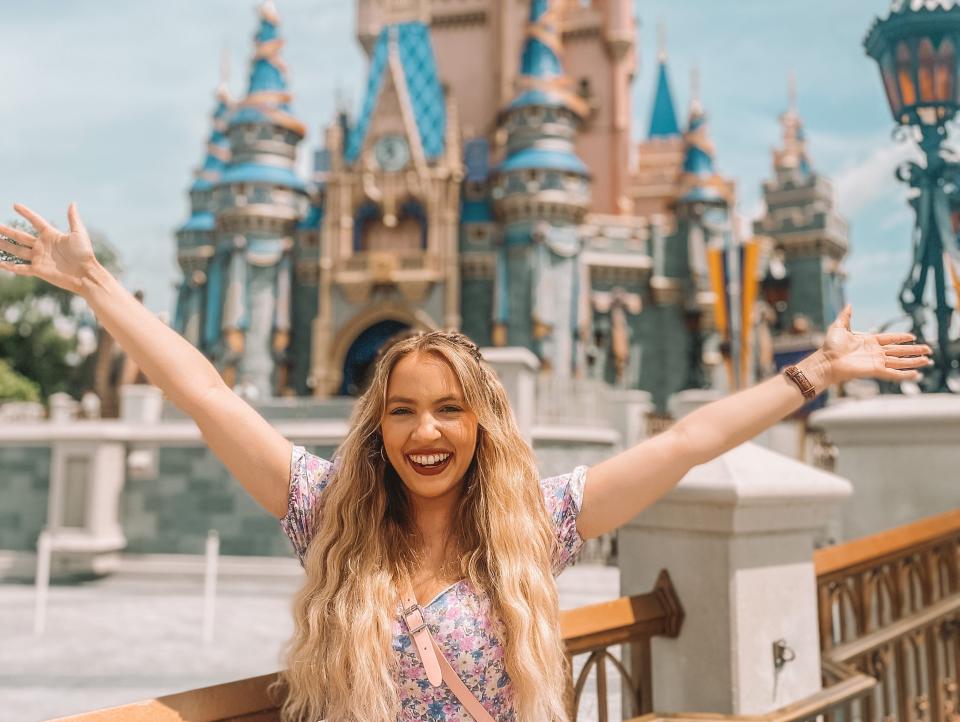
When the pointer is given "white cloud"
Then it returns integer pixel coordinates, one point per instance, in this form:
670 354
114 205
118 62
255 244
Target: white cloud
871 178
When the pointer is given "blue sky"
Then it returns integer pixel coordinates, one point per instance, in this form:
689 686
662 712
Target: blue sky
107 103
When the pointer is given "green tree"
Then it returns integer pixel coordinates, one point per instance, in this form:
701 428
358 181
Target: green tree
47 335
16 387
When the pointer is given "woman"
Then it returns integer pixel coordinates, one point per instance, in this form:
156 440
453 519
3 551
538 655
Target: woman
429 588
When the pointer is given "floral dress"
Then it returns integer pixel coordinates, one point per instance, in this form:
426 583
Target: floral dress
459 618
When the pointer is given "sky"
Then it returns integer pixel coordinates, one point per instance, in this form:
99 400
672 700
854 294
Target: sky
107 103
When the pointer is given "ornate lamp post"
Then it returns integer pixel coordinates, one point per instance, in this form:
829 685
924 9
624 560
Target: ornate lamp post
916 47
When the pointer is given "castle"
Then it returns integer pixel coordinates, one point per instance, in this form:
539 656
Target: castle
490 182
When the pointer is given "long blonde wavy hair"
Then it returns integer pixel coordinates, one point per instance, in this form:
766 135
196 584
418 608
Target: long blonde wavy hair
340 665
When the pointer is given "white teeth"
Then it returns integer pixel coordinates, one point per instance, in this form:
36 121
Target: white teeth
429 459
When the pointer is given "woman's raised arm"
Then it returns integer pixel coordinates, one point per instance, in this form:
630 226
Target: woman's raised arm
254 452
618 489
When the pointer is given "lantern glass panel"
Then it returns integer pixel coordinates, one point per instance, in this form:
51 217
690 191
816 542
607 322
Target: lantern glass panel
945 72
908 89
925 74
889 73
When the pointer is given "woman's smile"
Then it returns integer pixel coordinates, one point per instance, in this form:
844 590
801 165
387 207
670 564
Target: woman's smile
427 429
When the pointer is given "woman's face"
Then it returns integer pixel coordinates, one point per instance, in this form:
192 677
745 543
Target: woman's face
428 432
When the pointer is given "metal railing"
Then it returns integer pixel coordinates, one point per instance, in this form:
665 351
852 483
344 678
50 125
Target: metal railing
890 608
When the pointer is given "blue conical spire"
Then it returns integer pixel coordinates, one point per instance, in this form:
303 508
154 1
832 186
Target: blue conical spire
268 98
542 80
663 119
218 147
216 159
699 180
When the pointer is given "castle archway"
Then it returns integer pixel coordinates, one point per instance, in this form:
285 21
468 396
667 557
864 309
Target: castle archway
359 359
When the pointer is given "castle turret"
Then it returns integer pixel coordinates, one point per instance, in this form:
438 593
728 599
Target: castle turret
258 202
196 239
541 194
703 221
653 180
809 234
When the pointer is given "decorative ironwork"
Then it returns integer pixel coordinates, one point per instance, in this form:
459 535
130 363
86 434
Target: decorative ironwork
915 47
890 608
632 622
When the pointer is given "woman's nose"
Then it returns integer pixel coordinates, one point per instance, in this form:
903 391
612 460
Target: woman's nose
427 429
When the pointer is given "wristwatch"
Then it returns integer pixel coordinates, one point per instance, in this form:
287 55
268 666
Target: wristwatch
796 375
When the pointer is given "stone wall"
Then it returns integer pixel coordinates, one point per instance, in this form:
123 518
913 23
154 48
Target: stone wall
24 489
192 494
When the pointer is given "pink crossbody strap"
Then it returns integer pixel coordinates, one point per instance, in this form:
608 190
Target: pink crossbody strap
437 666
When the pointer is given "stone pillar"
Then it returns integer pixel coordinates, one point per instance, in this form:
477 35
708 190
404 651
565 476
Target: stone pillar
900 453
517 368
628 411
63 407
737 537
141 403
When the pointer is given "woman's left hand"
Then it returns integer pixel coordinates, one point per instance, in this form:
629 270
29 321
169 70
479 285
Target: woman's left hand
886 356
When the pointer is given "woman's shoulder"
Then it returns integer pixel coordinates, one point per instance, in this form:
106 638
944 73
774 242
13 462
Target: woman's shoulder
309 476
563 493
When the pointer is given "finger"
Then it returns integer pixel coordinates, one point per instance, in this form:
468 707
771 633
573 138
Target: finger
76 223
902 350
18 251
843 319
24 239
20 269
914 362
900 376
887 338
36 220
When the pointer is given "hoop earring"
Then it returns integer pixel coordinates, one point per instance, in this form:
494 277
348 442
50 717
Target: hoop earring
383 456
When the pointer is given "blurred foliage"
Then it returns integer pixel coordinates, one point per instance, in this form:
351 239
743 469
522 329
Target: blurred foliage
47 334
16 387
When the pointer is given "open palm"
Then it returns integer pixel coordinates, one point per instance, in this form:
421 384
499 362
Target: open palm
53 256
886 356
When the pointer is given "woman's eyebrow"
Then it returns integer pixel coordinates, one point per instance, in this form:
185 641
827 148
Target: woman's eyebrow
405 400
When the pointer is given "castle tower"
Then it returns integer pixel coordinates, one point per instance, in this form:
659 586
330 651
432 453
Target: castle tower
810 237
196 239
703 220
389 255
599 56
258 202
653 181
541 194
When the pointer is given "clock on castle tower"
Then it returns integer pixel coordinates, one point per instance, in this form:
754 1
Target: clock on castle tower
392 152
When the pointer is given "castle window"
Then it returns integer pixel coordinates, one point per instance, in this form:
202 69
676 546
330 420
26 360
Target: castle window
584 88
368 217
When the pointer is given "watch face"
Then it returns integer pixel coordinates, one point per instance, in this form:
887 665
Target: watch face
392 152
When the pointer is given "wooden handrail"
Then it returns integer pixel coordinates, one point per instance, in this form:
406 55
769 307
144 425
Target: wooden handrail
872 550
629 619
244 701
656 613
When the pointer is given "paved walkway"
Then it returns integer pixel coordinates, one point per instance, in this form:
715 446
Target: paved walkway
131 637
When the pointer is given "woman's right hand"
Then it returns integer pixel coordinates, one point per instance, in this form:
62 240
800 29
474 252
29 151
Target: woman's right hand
63 259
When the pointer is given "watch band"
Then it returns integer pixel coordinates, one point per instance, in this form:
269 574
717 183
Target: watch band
803 383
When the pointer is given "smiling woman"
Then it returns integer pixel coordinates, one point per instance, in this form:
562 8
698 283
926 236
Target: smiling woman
466 533
429 541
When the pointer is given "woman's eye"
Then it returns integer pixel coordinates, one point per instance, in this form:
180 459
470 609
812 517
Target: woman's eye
399 412
453 409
